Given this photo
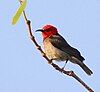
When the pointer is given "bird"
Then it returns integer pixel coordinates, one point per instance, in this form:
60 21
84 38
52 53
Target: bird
57 48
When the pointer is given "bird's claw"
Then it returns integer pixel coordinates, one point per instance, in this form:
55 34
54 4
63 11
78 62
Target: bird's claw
50 61
62 69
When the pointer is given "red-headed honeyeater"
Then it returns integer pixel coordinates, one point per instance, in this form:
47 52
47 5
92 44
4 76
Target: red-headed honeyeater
57 48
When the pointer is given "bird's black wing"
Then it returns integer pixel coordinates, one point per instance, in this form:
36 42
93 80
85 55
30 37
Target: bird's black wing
59 42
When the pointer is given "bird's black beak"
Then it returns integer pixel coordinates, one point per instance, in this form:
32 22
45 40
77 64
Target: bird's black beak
39 30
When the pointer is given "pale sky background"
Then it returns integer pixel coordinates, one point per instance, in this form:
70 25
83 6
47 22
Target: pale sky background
23 69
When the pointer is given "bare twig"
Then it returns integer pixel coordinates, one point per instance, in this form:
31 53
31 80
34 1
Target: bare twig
69 73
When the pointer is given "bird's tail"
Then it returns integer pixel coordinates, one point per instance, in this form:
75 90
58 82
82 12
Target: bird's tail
85 68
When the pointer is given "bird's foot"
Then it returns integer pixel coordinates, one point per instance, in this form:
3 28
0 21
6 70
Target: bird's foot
50 61
62 69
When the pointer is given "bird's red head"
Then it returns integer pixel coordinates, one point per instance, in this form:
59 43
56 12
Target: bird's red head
48 30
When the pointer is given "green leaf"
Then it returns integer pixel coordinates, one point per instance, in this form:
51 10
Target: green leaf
19 12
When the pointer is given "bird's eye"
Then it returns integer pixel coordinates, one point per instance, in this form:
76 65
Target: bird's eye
47 30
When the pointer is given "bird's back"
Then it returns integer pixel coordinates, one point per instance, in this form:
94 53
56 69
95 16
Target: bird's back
59 42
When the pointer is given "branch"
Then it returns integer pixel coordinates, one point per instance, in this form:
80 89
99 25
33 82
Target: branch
69 73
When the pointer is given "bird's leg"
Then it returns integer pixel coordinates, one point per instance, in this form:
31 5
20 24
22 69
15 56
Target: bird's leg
64 65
